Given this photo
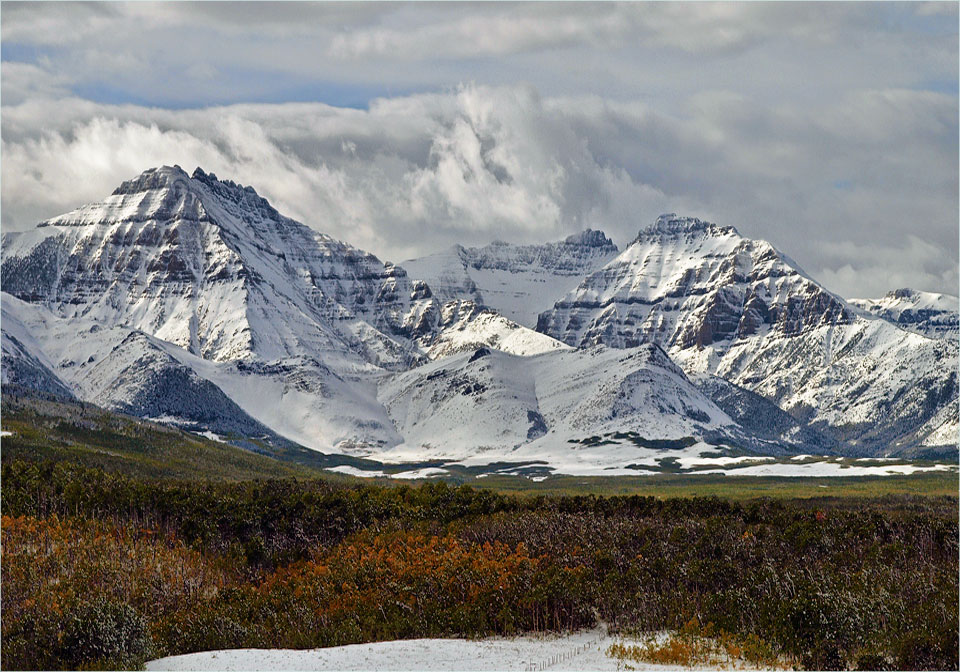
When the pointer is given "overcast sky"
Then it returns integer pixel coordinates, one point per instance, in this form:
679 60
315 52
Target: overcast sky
829 129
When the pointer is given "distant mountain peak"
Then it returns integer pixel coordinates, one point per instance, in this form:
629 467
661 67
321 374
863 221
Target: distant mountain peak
589 238
928 313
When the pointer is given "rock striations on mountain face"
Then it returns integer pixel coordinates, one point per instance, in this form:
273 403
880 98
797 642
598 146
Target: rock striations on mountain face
213 268
192 300
684 282
936 315
518 281
737 308
188 297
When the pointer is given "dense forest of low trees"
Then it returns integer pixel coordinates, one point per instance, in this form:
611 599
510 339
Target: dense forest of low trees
104 571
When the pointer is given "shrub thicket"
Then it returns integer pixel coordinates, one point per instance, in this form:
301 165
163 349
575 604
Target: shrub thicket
102 571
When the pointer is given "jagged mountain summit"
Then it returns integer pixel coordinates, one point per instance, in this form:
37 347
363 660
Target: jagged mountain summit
518 281
688 283
925 313
191 300
213 268
737 308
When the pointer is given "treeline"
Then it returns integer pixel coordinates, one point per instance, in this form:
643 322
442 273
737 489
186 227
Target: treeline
107 571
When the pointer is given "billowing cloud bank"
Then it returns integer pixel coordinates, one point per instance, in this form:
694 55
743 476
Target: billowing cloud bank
828 129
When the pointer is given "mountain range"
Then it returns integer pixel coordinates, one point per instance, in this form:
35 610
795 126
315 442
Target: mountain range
191 300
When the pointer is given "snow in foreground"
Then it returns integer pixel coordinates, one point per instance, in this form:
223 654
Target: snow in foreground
580 651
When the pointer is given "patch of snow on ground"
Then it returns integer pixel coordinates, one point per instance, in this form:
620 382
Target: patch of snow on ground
6 433
426 472
353 471
415 654
585 650
826 469
212 436
688 461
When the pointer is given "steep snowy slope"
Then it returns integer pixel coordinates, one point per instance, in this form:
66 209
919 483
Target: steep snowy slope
126 370
739 309
464 325
518 281
760 417
875 387
936 315
492 406
24 362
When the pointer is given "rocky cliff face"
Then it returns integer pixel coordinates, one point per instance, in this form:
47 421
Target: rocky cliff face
687 283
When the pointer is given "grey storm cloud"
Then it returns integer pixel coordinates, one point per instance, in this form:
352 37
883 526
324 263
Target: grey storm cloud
828 129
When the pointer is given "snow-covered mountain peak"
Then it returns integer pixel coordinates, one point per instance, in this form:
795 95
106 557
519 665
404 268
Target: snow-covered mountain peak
164 177
464 325
738 308
922 300
212 267
519 281
687 283
926 313
671 224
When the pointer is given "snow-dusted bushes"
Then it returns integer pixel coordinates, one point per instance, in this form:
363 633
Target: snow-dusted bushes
294 564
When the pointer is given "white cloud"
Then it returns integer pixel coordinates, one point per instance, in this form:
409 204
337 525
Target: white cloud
809 124
417 173
915 263
24 81
623 51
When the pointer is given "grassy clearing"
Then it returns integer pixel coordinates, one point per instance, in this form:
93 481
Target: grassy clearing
50 430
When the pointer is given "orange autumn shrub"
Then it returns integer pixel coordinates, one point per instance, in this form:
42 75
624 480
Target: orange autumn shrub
407 584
